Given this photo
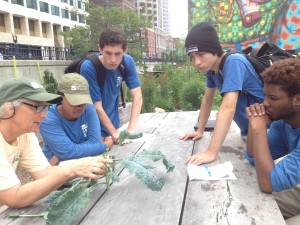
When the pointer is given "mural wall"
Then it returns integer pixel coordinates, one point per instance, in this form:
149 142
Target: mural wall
244 23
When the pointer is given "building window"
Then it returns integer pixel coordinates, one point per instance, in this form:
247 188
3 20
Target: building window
44 30
65 1
80 5
54 10
2 23
73 16
72 2
17 25
31 27
64 13
55 32
32 4
18 2
81 18
44 7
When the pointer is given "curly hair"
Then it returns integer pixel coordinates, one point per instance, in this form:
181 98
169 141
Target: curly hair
285 73
112 36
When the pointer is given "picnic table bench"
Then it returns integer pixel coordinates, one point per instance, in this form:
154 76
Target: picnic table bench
181 201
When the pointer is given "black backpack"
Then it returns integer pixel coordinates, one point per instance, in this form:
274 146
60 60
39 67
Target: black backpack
260 60
74 67
263 58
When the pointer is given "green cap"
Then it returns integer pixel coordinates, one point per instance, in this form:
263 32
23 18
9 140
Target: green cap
18 88
75 88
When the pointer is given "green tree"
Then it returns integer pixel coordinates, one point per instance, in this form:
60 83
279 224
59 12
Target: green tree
50 83
99 19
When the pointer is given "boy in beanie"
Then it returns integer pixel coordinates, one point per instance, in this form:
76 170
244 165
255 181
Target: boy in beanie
237 76
72 129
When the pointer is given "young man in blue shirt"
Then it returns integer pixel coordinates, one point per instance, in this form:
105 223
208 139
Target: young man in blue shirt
113 48
238 75
282 141
72 129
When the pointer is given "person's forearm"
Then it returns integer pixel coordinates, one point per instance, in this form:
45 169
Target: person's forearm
31 192
205 111
223 122
262 157
105 121
135 112
250 142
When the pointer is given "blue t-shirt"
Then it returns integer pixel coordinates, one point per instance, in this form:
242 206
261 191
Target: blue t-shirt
283 141
71 139
238 74
108 93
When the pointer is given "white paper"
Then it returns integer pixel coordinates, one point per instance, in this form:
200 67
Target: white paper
219 172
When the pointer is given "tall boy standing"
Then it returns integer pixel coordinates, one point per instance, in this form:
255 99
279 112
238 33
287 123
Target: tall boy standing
113 48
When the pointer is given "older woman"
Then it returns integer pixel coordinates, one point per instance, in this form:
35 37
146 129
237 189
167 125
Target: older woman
22 109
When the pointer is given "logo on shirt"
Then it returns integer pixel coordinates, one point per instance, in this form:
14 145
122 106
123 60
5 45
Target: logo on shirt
119 81
84 128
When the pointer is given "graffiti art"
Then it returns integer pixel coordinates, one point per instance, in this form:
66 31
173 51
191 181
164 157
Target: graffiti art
244 23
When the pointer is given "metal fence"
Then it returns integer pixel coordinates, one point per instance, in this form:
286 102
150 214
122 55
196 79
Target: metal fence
29 52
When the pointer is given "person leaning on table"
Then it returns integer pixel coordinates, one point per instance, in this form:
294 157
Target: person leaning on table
282 141
72 129
22 109
237 77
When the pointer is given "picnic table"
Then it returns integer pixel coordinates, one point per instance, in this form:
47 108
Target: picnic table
181 201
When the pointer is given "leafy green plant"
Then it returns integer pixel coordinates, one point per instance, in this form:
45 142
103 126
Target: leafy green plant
64 204
50 83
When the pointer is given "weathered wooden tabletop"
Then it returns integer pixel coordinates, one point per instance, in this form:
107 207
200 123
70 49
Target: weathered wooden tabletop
129 202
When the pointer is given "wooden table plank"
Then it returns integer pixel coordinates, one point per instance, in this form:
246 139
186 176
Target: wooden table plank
232 202
129 202
148 122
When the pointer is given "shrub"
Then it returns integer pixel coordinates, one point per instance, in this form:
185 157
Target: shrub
176 88
50 83
149 89
191 95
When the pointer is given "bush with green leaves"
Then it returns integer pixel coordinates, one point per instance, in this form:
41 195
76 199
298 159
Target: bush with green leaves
179 87
50 83
191 95
150 91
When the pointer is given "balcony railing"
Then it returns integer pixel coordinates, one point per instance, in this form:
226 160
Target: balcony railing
27 52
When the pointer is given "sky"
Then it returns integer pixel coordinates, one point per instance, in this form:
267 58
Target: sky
179 18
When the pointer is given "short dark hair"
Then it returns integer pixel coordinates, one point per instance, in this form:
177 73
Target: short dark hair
285 73
112 36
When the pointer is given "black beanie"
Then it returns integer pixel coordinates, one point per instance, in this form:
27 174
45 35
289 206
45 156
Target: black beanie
203 37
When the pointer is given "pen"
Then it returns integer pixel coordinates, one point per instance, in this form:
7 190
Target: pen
208 171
